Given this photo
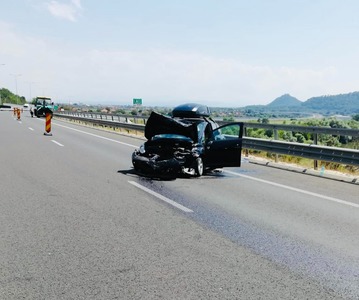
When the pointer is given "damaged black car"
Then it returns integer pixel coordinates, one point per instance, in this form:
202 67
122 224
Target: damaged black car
188 142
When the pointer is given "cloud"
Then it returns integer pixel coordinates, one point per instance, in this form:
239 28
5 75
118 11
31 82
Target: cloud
170 76
159 76
68 11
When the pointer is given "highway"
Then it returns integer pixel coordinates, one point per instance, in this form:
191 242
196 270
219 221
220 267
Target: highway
78 223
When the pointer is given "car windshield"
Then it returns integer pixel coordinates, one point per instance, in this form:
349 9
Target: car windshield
43 101
171 136
201 126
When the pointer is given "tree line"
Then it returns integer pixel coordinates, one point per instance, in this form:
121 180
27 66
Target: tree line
8 97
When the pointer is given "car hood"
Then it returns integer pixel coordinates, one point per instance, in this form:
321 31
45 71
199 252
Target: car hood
161 124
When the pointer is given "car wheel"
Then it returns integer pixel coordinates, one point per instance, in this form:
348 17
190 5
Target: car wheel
198 168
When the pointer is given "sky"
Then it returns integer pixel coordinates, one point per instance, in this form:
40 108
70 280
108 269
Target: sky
223 53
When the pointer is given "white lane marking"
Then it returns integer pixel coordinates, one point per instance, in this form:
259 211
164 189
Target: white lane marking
57 143
163 198
98 136
295 189
32 129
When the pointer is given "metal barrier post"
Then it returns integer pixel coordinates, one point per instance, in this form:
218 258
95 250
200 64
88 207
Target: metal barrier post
244 135
315 140
276 138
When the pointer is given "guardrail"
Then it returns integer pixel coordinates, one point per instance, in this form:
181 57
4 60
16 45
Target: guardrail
311 151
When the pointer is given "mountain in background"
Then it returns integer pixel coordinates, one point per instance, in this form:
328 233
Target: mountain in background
285 100
289 106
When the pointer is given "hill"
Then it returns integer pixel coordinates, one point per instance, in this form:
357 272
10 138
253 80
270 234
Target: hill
341 104
285 100
289 106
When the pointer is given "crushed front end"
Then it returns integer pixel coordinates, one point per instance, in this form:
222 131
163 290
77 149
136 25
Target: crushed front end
172 146
164 156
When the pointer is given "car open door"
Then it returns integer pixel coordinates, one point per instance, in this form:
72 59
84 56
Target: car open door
224 146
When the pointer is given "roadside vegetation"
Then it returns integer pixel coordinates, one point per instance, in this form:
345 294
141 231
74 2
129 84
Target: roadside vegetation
307 138
8 97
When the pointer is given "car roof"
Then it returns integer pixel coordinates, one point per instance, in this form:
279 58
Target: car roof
191 110
42 97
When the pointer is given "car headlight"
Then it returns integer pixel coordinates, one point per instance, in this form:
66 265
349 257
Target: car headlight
142 149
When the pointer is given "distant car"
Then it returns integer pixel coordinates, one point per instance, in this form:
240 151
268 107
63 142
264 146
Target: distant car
26 106
189 142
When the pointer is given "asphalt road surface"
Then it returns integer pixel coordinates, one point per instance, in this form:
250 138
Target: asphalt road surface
78 223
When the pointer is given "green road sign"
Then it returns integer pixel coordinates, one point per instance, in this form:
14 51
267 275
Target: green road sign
137 101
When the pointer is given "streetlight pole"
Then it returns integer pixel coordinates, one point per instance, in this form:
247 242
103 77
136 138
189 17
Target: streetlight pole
30 83
16 76
0 94
2 64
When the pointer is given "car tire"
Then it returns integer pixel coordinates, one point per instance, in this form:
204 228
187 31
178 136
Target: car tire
199 167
